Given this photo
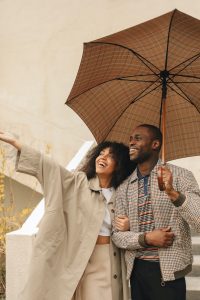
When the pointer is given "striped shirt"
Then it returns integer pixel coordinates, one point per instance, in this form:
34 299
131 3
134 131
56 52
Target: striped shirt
145 217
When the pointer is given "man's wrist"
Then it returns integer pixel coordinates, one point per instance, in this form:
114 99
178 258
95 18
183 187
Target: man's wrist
176 197
180 200
142 240
173 195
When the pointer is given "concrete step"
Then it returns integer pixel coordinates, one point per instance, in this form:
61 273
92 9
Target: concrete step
194 233
196 245
192 295
195 267
193 278
193 288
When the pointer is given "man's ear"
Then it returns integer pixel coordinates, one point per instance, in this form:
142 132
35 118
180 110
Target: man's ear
155 144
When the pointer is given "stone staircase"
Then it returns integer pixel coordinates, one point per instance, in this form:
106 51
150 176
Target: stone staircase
193 278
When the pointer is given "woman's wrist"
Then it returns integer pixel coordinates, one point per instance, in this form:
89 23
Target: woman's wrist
17 145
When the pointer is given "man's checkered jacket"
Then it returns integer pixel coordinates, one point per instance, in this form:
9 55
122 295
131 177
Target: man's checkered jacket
176 260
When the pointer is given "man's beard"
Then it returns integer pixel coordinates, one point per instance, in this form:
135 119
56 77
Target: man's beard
142 157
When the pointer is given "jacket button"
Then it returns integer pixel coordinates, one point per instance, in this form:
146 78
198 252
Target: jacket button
112 210
114 253
115 276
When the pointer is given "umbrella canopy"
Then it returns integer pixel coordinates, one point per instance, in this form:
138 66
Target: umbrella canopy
135 75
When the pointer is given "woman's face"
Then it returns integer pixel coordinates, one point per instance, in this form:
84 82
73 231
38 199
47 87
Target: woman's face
105 163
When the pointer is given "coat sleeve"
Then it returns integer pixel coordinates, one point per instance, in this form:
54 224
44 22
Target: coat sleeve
48 172
124 239
190 209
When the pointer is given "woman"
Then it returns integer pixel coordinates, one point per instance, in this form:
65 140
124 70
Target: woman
73 256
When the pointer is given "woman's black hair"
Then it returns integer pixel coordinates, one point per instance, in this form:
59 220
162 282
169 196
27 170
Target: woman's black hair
120 152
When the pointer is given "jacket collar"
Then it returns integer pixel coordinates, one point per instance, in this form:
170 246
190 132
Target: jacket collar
94 184
134 177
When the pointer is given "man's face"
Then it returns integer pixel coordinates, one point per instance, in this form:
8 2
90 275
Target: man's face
140 145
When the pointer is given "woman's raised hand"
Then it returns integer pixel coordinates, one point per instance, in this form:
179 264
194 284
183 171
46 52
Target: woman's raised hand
10 139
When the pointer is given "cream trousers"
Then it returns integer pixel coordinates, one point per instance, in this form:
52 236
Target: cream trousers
96 280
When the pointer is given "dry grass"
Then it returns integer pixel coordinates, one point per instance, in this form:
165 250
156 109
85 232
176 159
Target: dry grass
10 219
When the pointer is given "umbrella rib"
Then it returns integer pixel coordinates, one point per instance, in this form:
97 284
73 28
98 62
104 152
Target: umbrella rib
134 100
187 82
135 80
187 76
178 93
191 59
168 36
186 96
131 78
117 78
140 75
139 56
85 91
142 95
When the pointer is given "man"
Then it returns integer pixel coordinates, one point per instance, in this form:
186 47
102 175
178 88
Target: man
158 245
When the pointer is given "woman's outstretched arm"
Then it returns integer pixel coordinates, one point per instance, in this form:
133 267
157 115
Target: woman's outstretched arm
9 139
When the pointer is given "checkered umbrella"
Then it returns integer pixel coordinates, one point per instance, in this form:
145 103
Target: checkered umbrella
149 73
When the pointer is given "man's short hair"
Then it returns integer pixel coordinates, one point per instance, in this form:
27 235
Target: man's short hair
155 131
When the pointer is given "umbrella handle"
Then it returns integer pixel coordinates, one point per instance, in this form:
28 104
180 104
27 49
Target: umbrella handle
161 183
163 130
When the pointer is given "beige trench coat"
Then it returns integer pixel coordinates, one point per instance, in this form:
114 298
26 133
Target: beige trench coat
74 211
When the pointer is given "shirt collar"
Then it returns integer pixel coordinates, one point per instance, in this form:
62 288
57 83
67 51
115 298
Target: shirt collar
140 176
136 173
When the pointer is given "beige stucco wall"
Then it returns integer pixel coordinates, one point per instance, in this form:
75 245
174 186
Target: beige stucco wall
40 51
20 196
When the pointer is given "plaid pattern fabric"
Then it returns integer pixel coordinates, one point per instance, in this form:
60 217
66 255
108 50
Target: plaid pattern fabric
121 72
176 259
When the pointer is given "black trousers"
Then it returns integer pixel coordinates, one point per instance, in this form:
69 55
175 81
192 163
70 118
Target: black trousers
146 283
